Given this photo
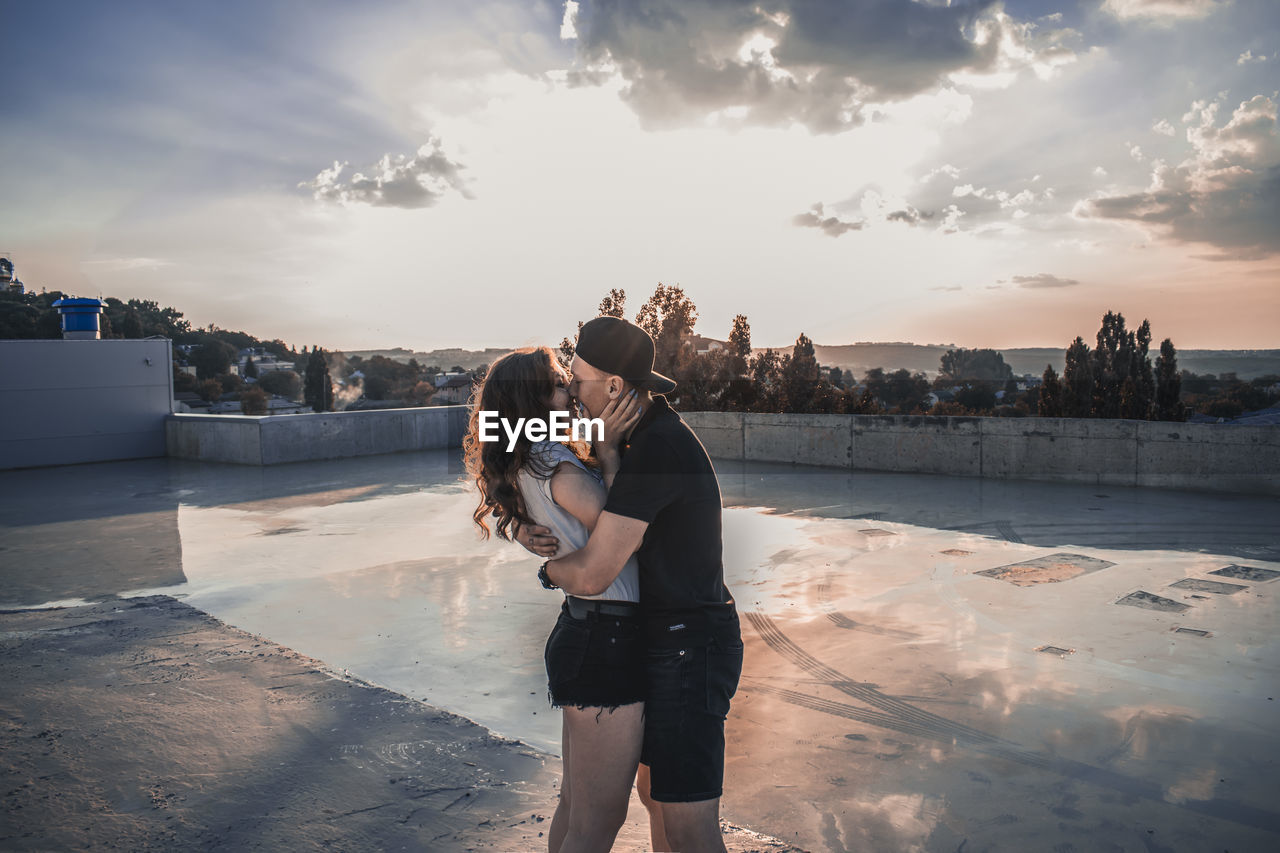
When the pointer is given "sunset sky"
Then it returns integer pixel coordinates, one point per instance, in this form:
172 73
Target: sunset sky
439 174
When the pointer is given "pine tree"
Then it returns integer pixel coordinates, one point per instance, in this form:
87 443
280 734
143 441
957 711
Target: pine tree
1077 381
800 376
1050 404
1168 397
318 392
250 369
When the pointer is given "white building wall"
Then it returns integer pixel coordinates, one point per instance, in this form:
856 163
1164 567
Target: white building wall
63 402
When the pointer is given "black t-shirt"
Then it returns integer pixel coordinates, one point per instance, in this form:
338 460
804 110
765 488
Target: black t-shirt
666 479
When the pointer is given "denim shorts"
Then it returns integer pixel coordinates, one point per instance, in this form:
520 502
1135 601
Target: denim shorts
596 662
688 693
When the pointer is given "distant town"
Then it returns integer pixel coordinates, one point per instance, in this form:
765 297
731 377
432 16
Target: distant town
1116 373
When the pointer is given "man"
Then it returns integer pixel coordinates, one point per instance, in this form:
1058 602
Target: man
664 506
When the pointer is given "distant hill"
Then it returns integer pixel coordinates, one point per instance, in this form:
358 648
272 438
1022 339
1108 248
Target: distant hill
468 359
918 358
924 358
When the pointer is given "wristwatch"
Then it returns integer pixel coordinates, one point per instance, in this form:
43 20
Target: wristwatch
546 578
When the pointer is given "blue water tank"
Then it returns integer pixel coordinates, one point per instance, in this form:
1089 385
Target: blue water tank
80 318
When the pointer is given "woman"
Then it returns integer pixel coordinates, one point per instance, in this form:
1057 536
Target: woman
594 655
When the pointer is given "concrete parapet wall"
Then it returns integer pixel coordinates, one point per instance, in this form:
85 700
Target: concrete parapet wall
1106 452
271 440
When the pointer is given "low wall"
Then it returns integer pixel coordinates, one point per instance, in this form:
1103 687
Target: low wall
271 440
66 402
1106 452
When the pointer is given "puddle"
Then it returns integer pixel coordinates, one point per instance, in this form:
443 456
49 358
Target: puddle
1149 601
1054 568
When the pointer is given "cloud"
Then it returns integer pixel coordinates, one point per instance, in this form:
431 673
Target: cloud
819 63
832 226
1043 279
569 23
1163 128
1227 193
1247 57
1160 10
395 181
910 216
950 289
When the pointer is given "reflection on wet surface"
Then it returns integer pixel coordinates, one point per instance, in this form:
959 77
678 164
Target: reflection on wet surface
933 663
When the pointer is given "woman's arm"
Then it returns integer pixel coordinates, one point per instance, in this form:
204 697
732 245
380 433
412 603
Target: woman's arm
579 493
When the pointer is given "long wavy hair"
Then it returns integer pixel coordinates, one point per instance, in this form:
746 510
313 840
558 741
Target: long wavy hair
518 385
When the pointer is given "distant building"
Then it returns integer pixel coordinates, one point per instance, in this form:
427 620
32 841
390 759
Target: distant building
275 406
265 360
940 396
452 389
9 280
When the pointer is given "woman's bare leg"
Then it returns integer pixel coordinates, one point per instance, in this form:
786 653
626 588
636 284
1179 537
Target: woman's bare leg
657 828
600 766
560 820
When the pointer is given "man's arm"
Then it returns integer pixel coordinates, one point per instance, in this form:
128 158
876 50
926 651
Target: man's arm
590 569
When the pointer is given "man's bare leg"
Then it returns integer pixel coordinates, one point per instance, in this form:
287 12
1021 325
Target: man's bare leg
657 830
694 827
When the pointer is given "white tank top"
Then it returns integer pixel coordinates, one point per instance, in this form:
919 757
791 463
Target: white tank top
543 509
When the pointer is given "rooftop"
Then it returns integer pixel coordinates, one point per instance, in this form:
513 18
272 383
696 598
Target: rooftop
930 659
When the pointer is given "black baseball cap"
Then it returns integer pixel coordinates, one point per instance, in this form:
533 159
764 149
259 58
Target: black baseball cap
622 348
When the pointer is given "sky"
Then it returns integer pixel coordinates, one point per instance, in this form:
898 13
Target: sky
441 174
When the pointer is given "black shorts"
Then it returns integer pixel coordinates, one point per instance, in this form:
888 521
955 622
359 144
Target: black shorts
689 689
596 662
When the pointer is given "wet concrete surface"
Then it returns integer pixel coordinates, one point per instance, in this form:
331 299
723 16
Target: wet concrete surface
894 696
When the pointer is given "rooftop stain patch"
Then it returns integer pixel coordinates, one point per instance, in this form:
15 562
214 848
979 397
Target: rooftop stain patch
1056 650
1247 573
1149 601
1195 632
957 552
876 531
1054 568
1208 586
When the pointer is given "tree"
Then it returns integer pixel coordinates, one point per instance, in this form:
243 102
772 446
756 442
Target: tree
210 390
668 316
1121 370
1168 397
900 390
800 377
958 366
615 304
184 381
1077 381
318 392
254 401
212 358
1050 404
766 382
740 393
250 369
976 397
740 342
132 325
282 383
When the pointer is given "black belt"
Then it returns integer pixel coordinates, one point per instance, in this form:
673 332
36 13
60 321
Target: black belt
580 607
